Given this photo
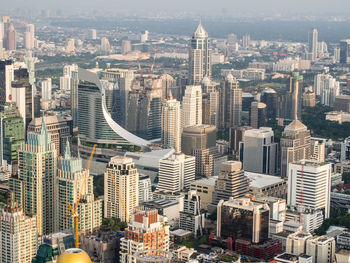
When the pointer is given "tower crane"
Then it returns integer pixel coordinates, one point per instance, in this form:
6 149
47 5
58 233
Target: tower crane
74 210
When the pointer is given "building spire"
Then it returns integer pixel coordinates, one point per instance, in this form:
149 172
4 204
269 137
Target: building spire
43 129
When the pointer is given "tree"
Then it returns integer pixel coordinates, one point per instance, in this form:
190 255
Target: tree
114 224
346 178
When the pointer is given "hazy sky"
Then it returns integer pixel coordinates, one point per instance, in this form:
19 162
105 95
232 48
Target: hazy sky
196 6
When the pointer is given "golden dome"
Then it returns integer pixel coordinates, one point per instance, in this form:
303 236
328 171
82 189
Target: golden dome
74 255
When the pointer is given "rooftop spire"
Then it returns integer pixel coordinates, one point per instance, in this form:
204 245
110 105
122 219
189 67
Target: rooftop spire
43 129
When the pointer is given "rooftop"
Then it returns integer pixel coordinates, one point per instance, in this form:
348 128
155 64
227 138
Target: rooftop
207 181
258 180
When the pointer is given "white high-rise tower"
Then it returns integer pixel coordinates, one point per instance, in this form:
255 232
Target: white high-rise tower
192 106
313 40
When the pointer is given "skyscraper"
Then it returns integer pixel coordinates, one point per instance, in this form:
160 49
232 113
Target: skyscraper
231 182
309 185
313 42
29 37
192 106
199 56
345 51
258 151
68 182
6 78
34 187
119 202
246 41
176 172
10 43
46 89
257 114
171 124
18 234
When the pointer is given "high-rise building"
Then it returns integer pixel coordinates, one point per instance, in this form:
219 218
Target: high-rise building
66 81
318 149
70 45
296 243
200 141
313 42
192 106
231 182
236 136
342 103
246 41
18 234
46 89
60 128
71 181
121 194
258 151
146 231
10 40
105 46
269 97
309 185
295 145
171 124
210 103
199 56
126 46
93 34
29 37
145 189
176 172
345 150
322 249
345 51
243 218
257 114
169 88
191 218
12 135
34 187
309 99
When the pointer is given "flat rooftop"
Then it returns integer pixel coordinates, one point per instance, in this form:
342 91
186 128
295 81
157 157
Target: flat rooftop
207 181
258 180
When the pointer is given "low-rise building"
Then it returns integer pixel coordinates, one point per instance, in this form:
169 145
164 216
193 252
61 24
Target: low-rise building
204 188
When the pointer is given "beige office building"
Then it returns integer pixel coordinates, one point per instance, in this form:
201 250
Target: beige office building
192 106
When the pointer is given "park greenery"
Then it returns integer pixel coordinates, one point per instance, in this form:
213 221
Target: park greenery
99 184
194 242
115 224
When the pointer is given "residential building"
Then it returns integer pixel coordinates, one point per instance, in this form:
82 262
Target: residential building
309 99
146 231
121 184
29 37
258 151
243 218
231 182
296 243
309 184
6 78
73 182
192 106
34 186
10 38
318 149
191 218
171 124
59 126
199 56
46 89
313 41
176 172
257 114
345 150
204 189
145 189
18 234
322 249
345 51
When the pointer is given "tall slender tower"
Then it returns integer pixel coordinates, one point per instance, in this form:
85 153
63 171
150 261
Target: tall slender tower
171 124
68 183
11 38
34 187
313 41
29 37
199 56
192 106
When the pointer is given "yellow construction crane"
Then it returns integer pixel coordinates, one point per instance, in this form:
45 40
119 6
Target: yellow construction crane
120 196
74 211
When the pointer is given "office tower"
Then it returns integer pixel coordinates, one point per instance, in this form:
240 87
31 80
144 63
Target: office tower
309 185
231 182
34 187
259 152
67 81
145 189
295 145
230 103
243 218
296 243
322 249
6 78
12 135
72 182
246 41
313 42
192 106
191 218
119 202
171 124
269 97
60 128
200 141
29 37
336 55
176 172
169 87
144 36
105 46
126 46
236 136
345 150
210 103
22 93
46 89
146 231
257 114
345 51
144 112
309 99
199 56
318 149
93 34
18 235
10 43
